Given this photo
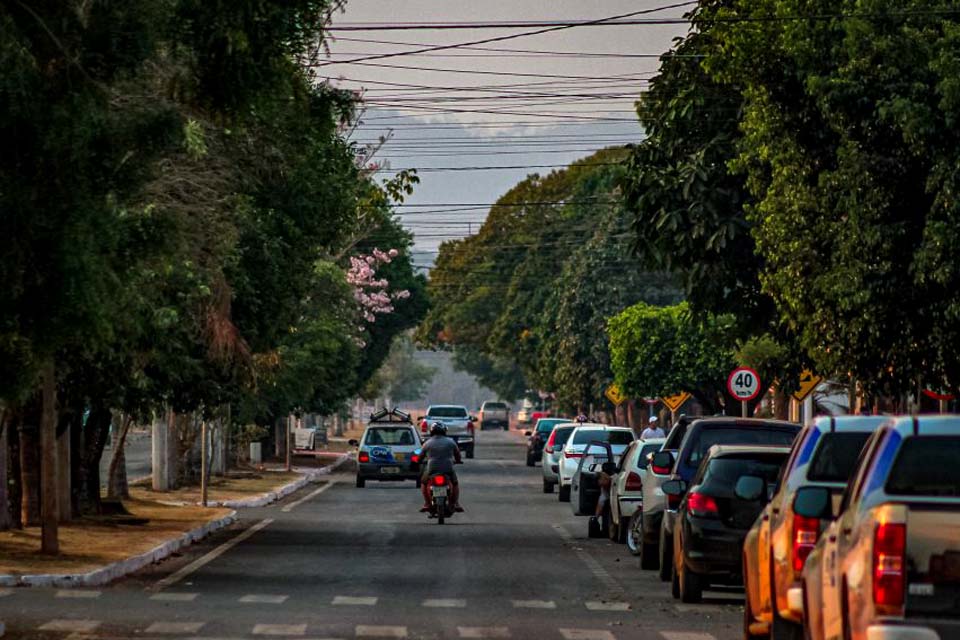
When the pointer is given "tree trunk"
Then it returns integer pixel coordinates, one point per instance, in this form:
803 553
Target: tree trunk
95 434
117 486
16 487
64 481
29 476
5 520
49 487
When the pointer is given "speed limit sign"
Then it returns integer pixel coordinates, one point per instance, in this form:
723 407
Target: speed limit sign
743 384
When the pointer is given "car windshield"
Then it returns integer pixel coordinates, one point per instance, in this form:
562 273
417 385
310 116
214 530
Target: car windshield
447 412
647 449
722 473
547 425
836 456
495 406
927 466
737 435
619 436
399 436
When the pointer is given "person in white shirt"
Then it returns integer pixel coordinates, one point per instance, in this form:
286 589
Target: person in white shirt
652 431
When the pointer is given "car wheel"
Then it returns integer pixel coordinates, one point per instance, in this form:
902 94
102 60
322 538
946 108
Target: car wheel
563 494
665 555
361 482
691 586
845 612
547 486
634 537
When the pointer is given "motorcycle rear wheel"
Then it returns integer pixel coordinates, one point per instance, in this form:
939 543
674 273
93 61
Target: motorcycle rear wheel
441 505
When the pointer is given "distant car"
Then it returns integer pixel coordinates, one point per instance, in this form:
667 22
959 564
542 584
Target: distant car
576 444
553 452
777 545
537 438
525 412
457 420
494 415
697 440
888 567
386 453
626 492
717 508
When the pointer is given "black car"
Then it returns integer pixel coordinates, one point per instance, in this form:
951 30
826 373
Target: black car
728 492
698 437
537 438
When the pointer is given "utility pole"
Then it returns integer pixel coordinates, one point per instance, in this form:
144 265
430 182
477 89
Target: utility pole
204 467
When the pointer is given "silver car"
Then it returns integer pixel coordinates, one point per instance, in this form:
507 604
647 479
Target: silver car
386 452
626 491
552 452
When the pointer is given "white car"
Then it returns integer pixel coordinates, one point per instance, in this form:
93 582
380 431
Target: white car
573 450
626 492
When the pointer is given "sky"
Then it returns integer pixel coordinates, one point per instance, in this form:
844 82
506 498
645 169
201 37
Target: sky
475 121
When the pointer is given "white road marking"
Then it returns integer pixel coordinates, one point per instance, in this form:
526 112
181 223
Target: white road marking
263 599
483 632
279 629
81 626
6 592
612 586
355 601
175 628
370 631
293 505
586 634
608 606
78 593
534 604
174 597
445 603
210 556
686 635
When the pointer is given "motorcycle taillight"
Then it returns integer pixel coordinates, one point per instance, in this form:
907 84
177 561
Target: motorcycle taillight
439 481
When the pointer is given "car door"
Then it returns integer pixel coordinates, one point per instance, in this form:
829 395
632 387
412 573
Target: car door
626 464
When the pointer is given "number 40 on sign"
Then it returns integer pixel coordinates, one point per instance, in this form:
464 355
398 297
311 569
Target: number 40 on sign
743 384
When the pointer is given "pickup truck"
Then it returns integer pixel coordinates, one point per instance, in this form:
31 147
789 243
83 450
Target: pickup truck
457 420
494 415
888 565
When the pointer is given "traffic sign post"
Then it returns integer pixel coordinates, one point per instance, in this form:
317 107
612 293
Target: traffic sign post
615 395
744 385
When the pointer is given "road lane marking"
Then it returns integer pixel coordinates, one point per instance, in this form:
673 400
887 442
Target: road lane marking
445 603
79 594
6 592
608 606
175 628
210 556
483 632
686 635
293 505
263 599
74 626
534 604
370 631
586 634
174 597
279 629
612 586
355 601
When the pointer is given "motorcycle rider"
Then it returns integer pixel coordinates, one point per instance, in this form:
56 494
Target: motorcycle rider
440 454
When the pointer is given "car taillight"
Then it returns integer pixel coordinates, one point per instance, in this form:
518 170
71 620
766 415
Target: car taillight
364 457
572 454
660 471
439 480
702 506
423 426
634 483
415 458
548 449
551 441
805 532
889 550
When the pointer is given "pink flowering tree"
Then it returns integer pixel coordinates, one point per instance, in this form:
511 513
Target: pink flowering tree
370 292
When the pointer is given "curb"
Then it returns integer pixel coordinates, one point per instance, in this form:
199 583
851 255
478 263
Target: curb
114 570
285 490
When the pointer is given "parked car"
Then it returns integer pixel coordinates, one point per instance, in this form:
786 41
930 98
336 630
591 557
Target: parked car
626 492
574 448
525 412
537 438
699 437
585 489
459 424
777 545
494 415
717 508
386 450
888 566
553 452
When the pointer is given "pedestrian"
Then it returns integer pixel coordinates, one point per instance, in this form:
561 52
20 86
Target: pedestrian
653 430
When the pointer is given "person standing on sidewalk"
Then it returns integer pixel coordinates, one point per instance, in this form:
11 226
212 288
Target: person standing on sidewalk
653 430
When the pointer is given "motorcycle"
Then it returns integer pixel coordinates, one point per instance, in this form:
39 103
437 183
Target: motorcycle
441 506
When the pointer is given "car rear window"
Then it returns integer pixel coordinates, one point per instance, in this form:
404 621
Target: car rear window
722 473
836 456
737 435
399 436
927 466
545 425
562 435
647 449
494 405
447 412
585 436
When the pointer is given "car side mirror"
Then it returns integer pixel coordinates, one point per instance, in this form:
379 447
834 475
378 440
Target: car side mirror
674 487
751 488
354 443
661 463
814 502
528 433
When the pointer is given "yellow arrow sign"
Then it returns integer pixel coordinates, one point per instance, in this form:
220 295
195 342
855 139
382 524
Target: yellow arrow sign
614 394
674 402
808 382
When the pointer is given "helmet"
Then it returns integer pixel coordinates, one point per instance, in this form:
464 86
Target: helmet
438 429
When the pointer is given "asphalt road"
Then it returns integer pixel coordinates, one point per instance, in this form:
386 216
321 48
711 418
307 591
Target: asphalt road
334 561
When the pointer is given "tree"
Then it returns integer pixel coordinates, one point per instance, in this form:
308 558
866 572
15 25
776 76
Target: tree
401 378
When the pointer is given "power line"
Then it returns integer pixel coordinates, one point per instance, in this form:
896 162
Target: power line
493 168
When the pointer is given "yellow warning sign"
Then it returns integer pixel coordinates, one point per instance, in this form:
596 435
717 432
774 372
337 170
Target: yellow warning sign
614 394
674 402
808 382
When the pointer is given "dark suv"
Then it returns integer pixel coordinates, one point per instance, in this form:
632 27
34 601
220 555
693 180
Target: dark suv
699 436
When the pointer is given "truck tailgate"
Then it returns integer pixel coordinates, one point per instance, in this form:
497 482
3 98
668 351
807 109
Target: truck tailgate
933 561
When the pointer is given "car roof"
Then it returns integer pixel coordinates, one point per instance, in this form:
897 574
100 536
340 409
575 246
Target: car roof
849 424
601 427
652 440
731 420
721 450
935 425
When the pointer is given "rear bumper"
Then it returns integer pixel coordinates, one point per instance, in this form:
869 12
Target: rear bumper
464 442
629 506
494 423
894 631
711 549
372 472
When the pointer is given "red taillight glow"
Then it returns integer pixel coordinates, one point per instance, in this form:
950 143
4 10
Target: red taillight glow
414 458
551 441
363 457
702 506
805 532
572 454
423 426
634 483
548 449
439 481
889 575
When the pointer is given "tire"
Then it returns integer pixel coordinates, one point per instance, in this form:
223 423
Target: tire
634 537
784 629
649 558
361 482
674 584
470 453
563 494
665 555
441 506
547 486
691 586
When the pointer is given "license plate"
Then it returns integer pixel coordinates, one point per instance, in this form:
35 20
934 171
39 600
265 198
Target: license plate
440 492
389 469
